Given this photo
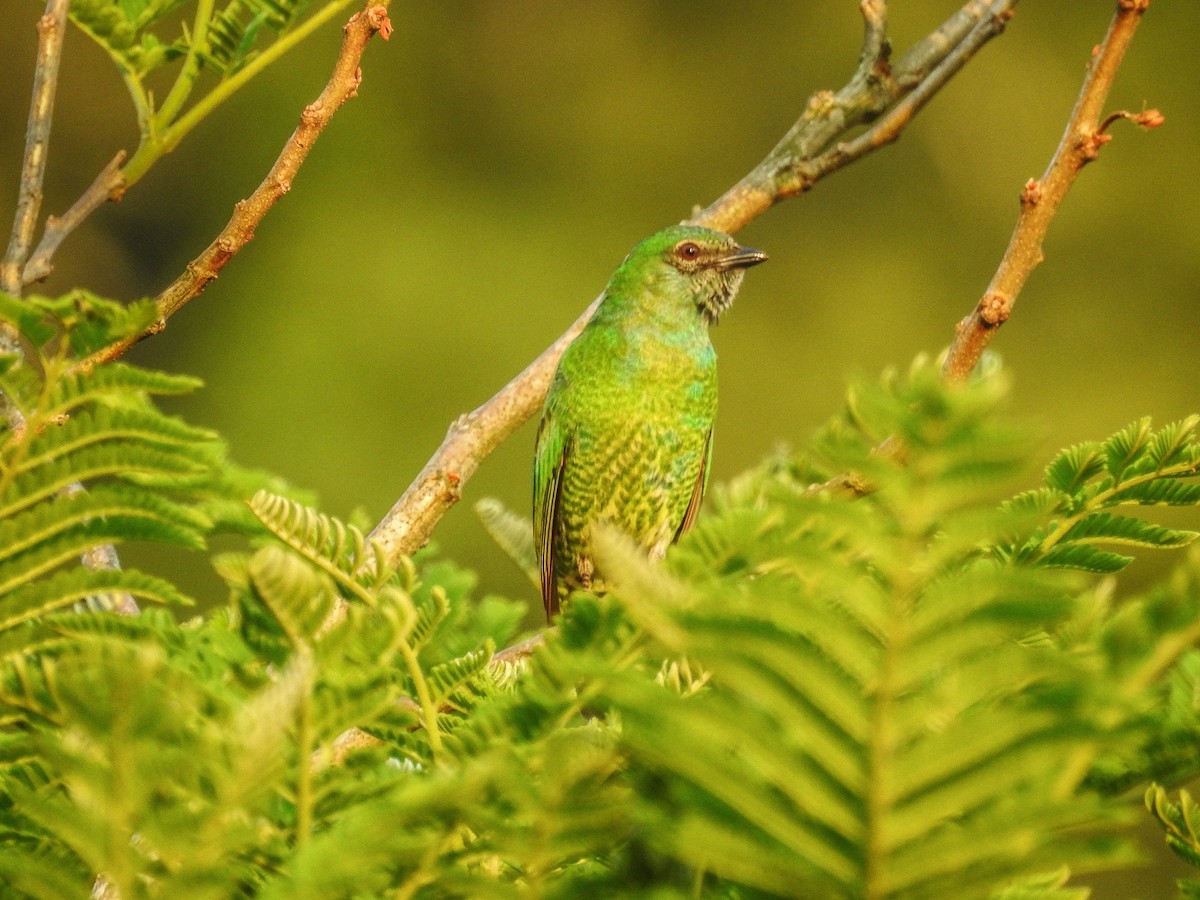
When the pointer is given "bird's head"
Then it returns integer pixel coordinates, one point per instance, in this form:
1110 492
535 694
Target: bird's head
702 265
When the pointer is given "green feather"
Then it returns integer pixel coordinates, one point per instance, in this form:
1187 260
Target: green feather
626 432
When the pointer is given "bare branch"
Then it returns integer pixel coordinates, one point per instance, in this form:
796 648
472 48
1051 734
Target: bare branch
108 185
162 131
810 151
51 28
1040 199
801 158
247 214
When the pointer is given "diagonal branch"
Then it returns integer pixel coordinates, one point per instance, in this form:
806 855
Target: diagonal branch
51 28
109 184
877 92
1040 199
342 85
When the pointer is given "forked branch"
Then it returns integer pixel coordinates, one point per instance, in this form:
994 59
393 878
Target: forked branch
881 92
342 85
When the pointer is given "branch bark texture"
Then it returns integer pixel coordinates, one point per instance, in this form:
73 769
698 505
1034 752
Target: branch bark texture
247 214
1041 198
51 28
879 92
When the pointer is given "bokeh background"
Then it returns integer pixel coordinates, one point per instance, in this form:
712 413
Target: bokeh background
501 159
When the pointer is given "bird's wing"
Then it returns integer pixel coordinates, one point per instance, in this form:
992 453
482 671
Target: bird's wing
548 462
693 507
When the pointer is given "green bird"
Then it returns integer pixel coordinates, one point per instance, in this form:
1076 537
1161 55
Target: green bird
626 432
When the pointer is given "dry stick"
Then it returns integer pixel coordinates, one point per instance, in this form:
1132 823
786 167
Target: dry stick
51 28
343 84
108 185
1040 200
802 157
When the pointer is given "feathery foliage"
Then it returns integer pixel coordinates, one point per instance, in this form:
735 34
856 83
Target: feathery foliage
894 696
233 41
86 460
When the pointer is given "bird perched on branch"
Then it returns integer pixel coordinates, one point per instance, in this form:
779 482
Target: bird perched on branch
626 432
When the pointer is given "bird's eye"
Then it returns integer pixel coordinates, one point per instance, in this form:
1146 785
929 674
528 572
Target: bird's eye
687 250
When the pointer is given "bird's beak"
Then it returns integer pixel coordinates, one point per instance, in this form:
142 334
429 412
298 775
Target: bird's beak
741 258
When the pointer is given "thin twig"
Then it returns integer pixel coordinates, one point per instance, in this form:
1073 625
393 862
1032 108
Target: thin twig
247 214
51 28
810 150
1040 199
108 185
161 132
794 165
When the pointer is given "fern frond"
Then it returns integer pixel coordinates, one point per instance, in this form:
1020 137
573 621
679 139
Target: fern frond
1164 492
297 595
1136 466
70 545
449 678
512 533
87 429
1175 446
1074 467
875 723
63 589
1126 446
1180 820
431 612
90 463
338 549
233 32
100 513
1103 527
114 381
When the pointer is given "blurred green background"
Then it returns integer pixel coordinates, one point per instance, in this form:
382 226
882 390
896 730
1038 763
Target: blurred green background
501 159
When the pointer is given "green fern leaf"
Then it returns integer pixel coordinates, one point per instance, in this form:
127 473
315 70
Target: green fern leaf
107 460
1126 446
512 533
1161 491
1052 886
297 596
1175 445
73 586
338 549
1073 468
69 545
234 31
1180 821
113 382
429 615
1106 528
26 318
1084 558
66 513
449 677
86 429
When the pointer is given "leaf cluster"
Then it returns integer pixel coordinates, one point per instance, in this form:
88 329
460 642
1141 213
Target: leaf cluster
906 694
88 459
